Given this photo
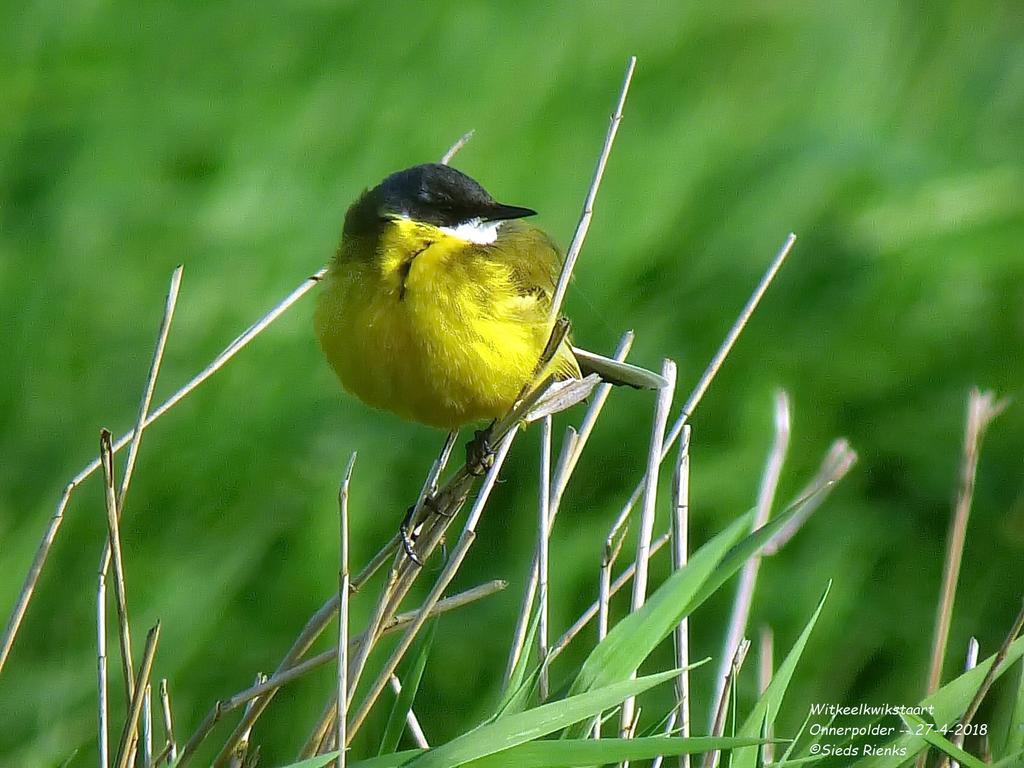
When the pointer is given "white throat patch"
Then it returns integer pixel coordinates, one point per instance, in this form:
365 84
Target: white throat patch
475 231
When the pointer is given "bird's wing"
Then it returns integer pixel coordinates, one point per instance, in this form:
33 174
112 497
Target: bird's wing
533 260
535 264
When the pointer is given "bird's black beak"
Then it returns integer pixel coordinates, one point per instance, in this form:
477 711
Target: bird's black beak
499 212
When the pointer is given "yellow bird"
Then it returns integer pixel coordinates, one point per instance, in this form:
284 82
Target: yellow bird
437 304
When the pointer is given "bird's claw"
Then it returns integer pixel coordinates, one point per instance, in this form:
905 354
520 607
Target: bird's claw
406 532
480 453
406 528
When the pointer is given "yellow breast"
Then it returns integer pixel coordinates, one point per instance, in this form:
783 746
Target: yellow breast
423 324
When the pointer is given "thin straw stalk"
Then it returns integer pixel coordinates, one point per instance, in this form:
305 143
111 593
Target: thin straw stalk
143 420
722 707
113 549
572 448
165 709
982 408
748 576
645 533
129 735
588 204
543 539
451 568
680 556
264 691
343 597
53 528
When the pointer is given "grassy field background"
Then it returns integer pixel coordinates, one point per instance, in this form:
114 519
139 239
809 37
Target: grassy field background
231 137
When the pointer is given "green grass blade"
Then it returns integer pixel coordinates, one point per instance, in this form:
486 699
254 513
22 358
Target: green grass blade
949 704
630 641
792 744
765 711
519 699
516 695
1014 740
808 749
522 727
943 744
741 552
319 761
567 753
1014 760
393 760
410 685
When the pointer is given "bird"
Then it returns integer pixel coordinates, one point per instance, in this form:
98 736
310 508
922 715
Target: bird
437 304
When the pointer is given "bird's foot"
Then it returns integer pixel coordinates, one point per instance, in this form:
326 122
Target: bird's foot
480 452
407 531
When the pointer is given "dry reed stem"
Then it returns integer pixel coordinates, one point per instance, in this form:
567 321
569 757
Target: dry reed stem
662 407
612 547
458 486
129 735
315 662
447 502
411 721
543 540
102 724
113 549
839 459
447 574
287 674
232 349
147 727
46 544
719 358
982 408
147 393
730 339
740 614
670 726
990 676
588 204
718 725
562 469
450 498
164 755
765 671
592 610
680 557
462 141
354 671
319 740
442 461
238 759
50 535
404 570
165 708
970 663
572 448
429 487
343 597
597 402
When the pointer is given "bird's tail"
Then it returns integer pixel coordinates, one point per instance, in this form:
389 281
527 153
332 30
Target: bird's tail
615 372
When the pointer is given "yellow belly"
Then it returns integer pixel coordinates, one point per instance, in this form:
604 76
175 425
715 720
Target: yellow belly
451 342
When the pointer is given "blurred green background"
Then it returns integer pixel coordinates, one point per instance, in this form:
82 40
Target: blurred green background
232 136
